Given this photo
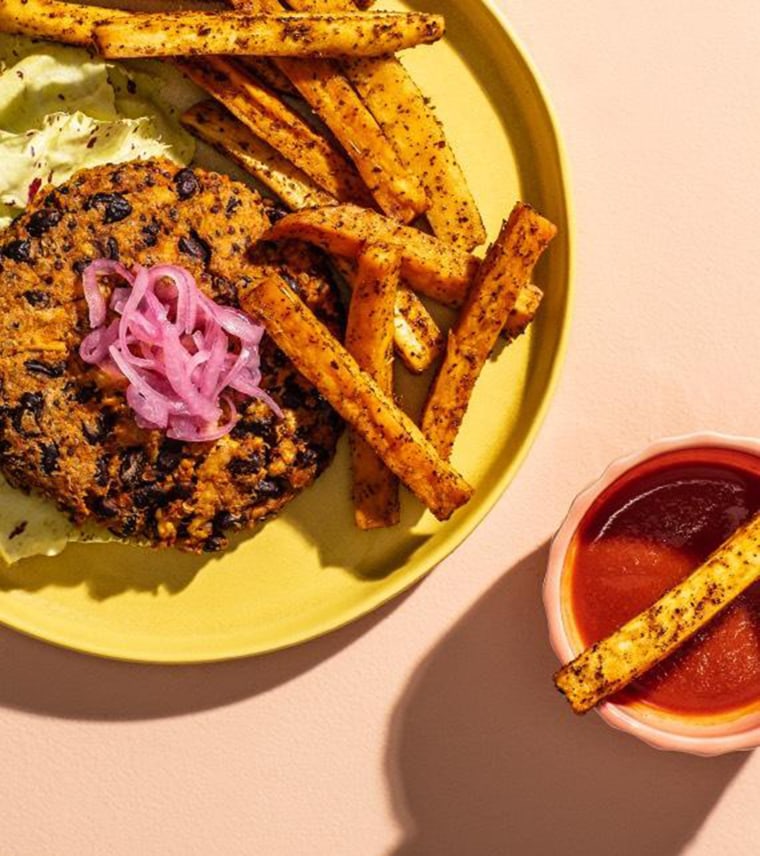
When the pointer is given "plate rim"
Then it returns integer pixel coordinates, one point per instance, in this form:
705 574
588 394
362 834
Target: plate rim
384 595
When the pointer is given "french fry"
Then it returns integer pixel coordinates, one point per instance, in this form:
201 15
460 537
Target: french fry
409 121
70 23
190 33
369 340
215 126
326 364
654 634
327 91
505 271
418 339
269 118
395 189
428 265
268 73
328 5
523 312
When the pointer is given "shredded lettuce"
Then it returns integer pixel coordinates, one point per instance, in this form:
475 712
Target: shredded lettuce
62 110
33 526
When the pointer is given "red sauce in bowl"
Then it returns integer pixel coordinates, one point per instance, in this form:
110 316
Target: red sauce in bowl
645 533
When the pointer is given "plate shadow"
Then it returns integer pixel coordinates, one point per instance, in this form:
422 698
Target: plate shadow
484 757
43 679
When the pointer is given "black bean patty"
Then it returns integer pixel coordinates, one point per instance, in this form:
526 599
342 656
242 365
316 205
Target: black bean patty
65 428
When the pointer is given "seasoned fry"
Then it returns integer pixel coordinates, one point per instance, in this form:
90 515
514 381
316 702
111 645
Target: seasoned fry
523 312
302 34
650 637
409 121
328 5
505 271
268 73
326 364
269 118
369 340
70 23
428 265
322 85
418 339
327 91
395 189
215 126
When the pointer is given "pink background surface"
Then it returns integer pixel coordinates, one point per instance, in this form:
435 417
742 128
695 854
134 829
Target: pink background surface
431 728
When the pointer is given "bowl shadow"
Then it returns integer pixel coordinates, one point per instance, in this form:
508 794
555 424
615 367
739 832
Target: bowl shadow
484 757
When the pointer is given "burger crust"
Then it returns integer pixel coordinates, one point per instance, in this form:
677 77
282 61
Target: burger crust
66 430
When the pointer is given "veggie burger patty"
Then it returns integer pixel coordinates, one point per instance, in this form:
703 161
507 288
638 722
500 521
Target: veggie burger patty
65 427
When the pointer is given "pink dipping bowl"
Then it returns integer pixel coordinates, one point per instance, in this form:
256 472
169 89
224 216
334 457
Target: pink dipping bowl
728 732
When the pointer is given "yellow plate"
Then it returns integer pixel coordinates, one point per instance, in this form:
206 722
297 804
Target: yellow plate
310 570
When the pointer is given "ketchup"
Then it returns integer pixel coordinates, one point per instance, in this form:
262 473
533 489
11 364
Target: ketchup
649 530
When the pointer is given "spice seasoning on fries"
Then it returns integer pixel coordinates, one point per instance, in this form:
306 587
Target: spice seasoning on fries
505 272
654 634
356 396
304 34
309 99
369 340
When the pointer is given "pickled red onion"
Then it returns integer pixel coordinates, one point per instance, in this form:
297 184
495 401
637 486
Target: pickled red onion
176 348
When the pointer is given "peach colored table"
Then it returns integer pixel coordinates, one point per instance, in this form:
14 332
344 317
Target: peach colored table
431 728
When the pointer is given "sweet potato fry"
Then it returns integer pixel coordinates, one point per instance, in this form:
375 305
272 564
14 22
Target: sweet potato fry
428 265
190 33
269 118
215 126
523 312
505 271
369 340
70 23
327 91
409 121
650 637
419 341
356 396
395 189
268 73
328 5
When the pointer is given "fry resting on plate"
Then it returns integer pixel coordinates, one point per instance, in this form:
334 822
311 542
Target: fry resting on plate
311 102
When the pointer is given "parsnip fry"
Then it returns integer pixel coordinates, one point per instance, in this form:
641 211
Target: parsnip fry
70 23
409 121
650 637
428 265
395 189
505 271
269 118
356 396
191 33
215 126
369 340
